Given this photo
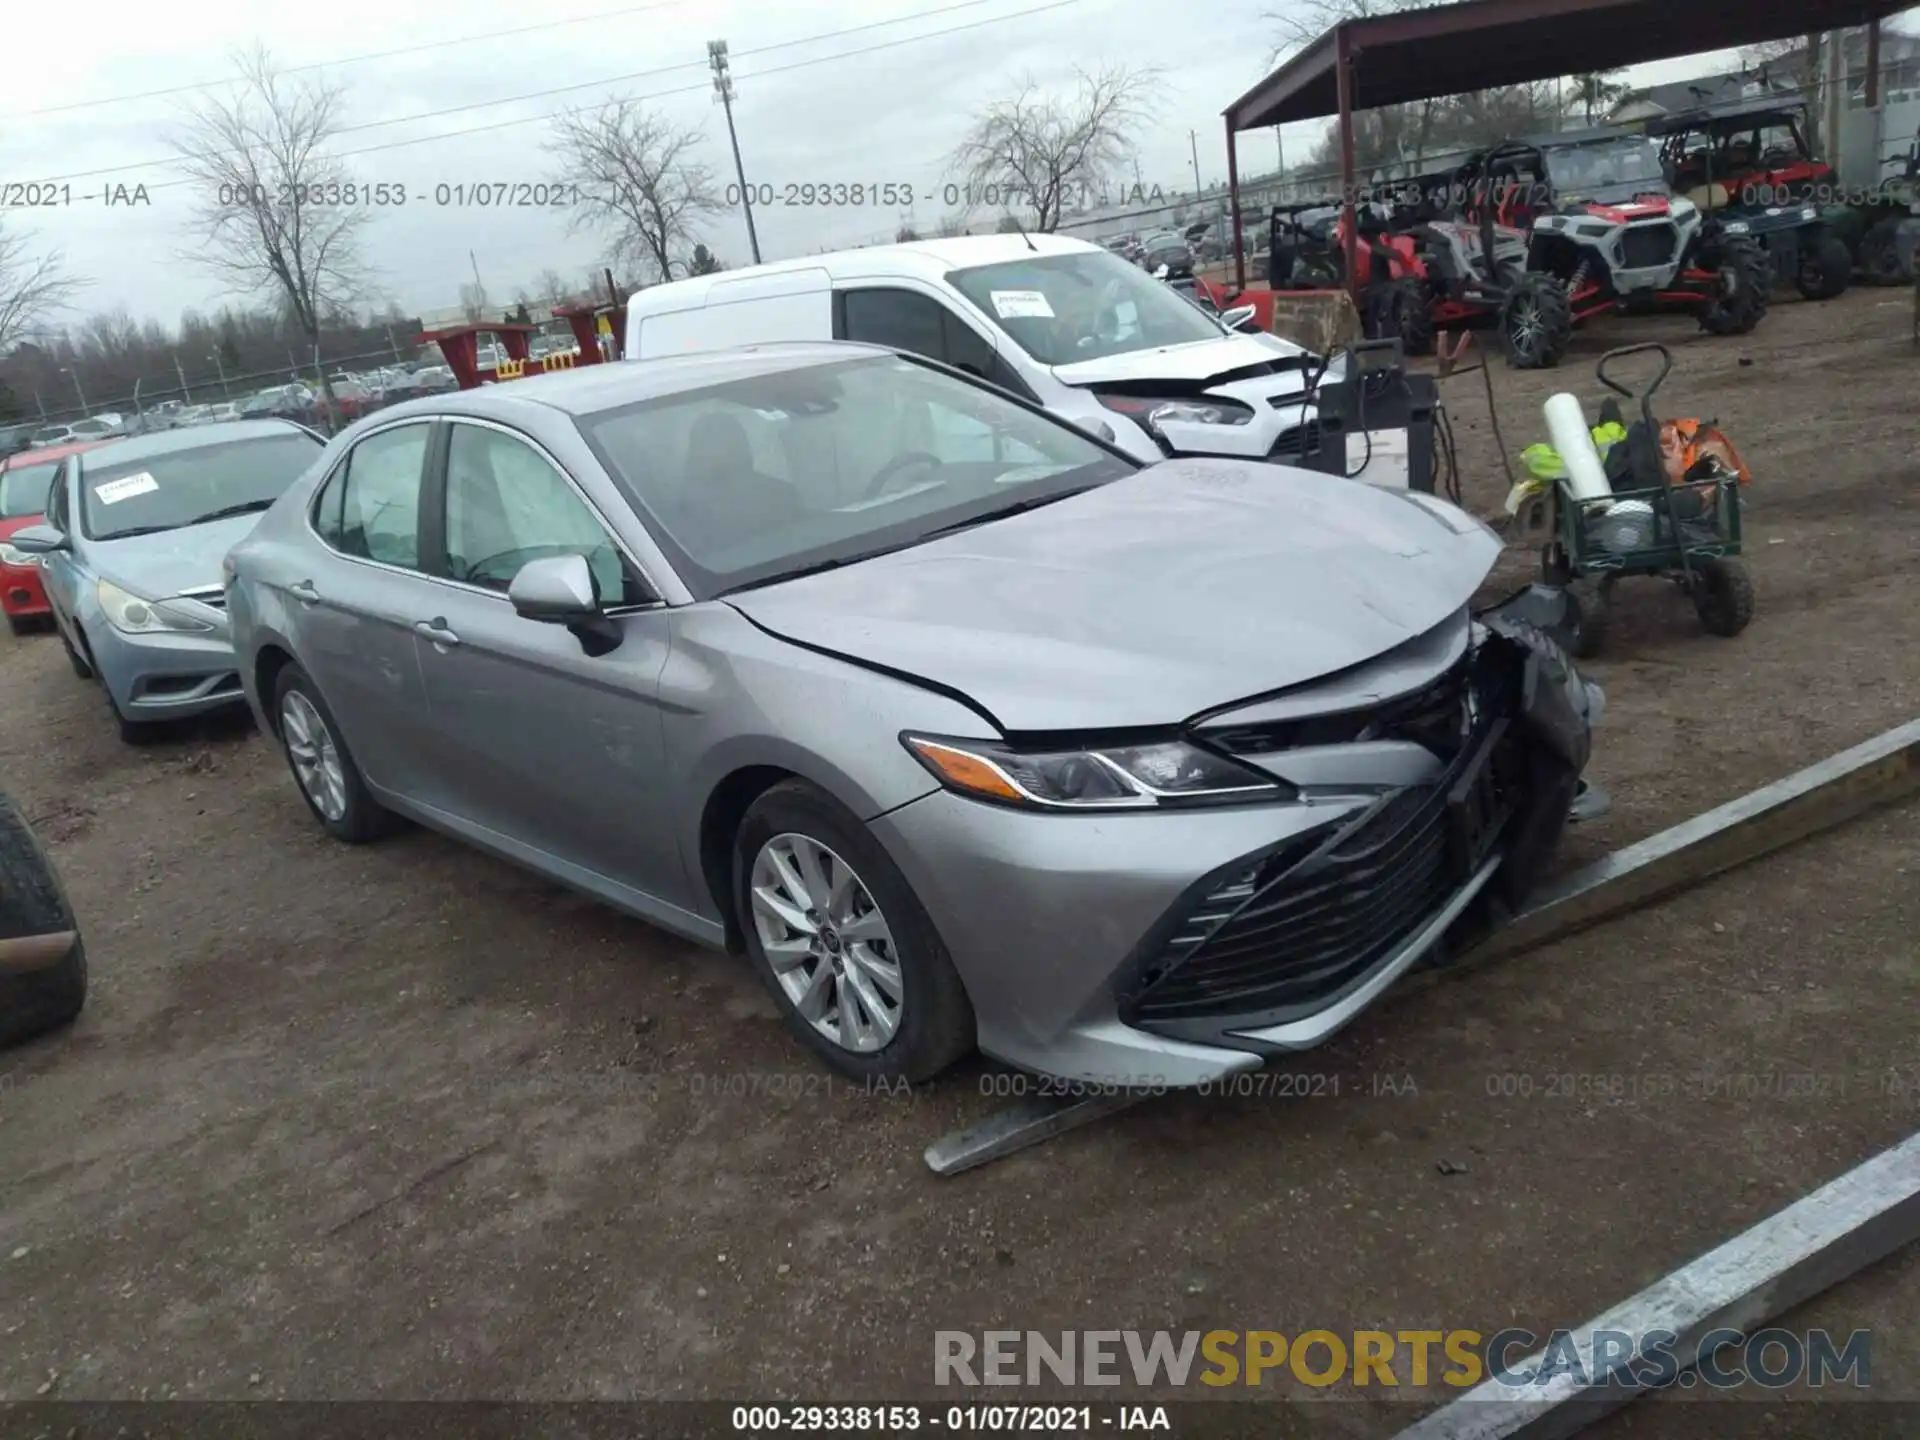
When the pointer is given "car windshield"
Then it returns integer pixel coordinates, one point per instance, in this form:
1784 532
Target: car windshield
761 479
1629 160
1085 306
52 432
23 490
187 487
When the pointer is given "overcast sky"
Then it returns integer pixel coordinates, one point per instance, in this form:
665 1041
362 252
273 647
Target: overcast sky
84 105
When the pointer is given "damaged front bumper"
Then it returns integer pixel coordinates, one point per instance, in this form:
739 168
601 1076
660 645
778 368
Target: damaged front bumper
1172 949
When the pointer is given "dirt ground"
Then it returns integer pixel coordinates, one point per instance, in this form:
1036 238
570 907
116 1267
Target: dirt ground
403 1122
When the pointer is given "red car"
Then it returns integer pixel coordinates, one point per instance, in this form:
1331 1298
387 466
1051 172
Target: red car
24 481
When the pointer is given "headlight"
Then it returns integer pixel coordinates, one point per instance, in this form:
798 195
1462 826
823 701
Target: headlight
133 615
11 556
1809 213
1154 413
1121 777
1738 227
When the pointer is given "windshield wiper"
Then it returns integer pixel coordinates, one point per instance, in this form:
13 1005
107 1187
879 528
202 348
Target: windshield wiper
136 530
782 576
1003 511
246 507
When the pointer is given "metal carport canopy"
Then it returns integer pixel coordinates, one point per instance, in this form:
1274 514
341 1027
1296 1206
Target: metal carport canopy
1443 50
1452 49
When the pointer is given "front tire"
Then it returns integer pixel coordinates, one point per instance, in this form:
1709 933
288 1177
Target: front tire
322 766
1536 322
1826 268
1880 257
1746 279
80 666
836 933
33 902
19 624
1404 312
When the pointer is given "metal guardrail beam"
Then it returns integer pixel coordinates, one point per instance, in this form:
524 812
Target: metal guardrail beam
1813 1244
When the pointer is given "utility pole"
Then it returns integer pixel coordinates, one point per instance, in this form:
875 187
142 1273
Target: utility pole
723 91
214 355
1193 141
1280 150
79 389
178 369
393 344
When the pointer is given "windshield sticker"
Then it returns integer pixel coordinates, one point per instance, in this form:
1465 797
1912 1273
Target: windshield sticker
127 486
1021 305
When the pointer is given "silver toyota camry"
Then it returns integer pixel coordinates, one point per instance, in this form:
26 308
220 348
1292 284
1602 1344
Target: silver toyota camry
966 728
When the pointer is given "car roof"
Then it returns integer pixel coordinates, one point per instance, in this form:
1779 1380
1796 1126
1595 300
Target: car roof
590 389
927 259
46 454
172 442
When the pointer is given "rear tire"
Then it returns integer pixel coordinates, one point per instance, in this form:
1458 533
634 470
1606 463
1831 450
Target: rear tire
1536 322
323 768
1592 605
1880 257
19 624
33 902
1746 277
933 1022
1723 596
1404 312
1826 268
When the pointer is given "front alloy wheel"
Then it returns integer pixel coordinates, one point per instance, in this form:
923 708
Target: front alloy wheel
827 942
314 756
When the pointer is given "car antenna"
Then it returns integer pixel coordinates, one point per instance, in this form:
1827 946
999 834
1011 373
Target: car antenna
1021 231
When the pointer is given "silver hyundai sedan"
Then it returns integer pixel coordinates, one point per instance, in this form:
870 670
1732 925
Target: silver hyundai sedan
965 727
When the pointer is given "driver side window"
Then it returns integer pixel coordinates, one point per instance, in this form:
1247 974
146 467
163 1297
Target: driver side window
506 505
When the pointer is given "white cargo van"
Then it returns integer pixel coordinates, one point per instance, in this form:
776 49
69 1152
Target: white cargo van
1066 324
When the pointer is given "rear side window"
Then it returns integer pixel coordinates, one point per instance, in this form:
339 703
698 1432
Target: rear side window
380 499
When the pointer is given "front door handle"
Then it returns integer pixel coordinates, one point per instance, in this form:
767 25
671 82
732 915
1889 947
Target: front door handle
436 630
304 591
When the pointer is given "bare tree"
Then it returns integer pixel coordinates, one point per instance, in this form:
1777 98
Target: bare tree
271 206
553 289
1597 92
641 182
33 289
1050 152
473 303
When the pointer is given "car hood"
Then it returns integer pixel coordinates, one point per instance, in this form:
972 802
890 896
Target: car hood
1193 584
157 566
1200 360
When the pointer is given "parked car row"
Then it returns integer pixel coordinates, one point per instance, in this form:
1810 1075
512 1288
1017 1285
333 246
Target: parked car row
887 669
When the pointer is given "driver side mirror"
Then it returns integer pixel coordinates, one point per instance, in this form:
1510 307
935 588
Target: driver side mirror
561 590
40 540
1241 318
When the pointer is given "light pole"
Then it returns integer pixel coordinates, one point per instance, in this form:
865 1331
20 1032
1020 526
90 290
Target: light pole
185 394
1193 141
78 388
723 91
214 355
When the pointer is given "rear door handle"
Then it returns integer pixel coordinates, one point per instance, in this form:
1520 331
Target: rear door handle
304 591
436 630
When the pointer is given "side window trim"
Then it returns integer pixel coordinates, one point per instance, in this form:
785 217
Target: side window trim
438 479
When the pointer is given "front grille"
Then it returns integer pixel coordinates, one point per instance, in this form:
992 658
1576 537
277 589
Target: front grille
1288 933
1436 716
1645 247
1322 922
1300 443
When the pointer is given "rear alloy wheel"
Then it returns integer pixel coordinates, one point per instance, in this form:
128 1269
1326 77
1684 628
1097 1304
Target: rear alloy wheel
852 960
1826 267
322 766
1745 281
1536 322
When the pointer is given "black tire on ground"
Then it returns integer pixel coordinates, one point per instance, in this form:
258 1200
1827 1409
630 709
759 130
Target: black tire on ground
362 818
1747 280
1592 605
936 1024
1723 596
33 902
1826 267
1406 315
20 624
1536 322
1880 259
